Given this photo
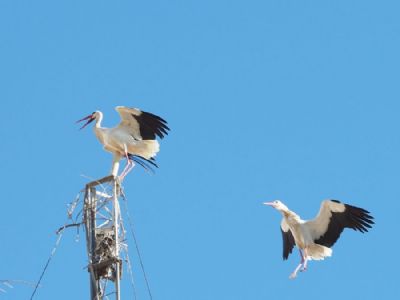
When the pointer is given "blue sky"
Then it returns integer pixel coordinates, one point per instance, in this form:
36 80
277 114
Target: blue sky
290 100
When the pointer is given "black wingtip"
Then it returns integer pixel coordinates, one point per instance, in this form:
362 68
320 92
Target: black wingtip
147 164
151 125
361 220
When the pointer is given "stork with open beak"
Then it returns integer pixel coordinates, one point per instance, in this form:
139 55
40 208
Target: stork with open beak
314 238
134 138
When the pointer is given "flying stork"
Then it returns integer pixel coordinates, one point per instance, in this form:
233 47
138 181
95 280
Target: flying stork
134 138
314 238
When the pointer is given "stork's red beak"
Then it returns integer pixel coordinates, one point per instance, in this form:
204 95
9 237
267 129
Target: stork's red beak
90 119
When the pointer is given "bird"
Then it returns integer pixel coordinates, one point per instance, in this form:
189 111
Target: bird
314 238
134 138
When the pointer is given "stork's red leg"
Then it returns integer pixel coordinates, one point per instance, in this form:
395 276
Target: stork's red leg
301 256
129 166
302 261
305 261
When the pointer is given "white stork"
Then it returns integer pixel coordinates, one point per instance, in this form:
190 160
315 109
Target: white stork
314 238
134 138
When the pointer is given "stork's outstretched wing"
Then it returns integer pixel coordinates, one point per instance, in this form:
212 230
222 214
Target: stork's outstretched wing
333 218
287 238
142 125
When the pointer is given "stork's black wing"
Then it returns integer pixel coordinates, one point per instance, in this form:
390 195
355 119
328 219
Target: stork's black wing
151 125
147 164
334 217
287 238
142 125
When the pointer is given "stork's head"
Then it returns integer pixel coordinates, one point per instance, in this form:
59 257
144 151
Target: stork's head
90 118
278 205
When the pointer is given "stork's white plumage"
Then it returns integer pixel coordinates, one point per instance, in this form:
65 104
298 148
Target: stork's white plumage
314 238
134 138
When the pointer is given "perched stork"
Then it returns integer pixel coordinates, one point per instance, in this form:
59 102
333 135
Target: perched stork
134 138
314 238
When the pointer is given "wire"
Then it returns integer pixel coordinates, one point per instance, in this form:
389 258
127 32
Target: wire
136 244
59 232
128 261
9 283
47 263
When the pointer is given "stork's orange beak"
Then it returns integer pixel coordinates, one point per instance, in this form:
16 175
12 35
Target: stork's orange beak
90 119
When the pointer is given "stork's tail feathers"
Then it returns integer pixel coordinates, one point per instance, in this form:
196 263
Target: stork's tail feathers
147 164
146 148
318 252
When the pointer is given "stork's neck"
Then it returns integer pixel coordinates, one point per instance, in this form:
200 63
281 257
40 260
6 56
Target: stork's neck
99 118
290 214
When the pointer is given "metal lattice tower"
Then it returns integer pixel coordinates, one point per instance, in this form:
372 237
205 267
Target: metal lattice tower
104 234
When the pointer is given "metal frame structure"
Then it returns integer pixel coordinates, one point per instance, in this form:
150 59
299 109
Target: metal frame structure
103 226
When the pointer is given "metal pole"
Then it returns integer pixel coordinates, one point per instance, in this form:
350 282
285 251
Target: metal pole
103 256
94 290
90 240
116 231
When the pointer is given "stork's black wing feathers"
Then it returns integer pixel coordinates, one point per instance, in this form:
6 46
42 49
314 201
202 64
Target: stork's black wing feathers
288 243
147 164
352 217
151 125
